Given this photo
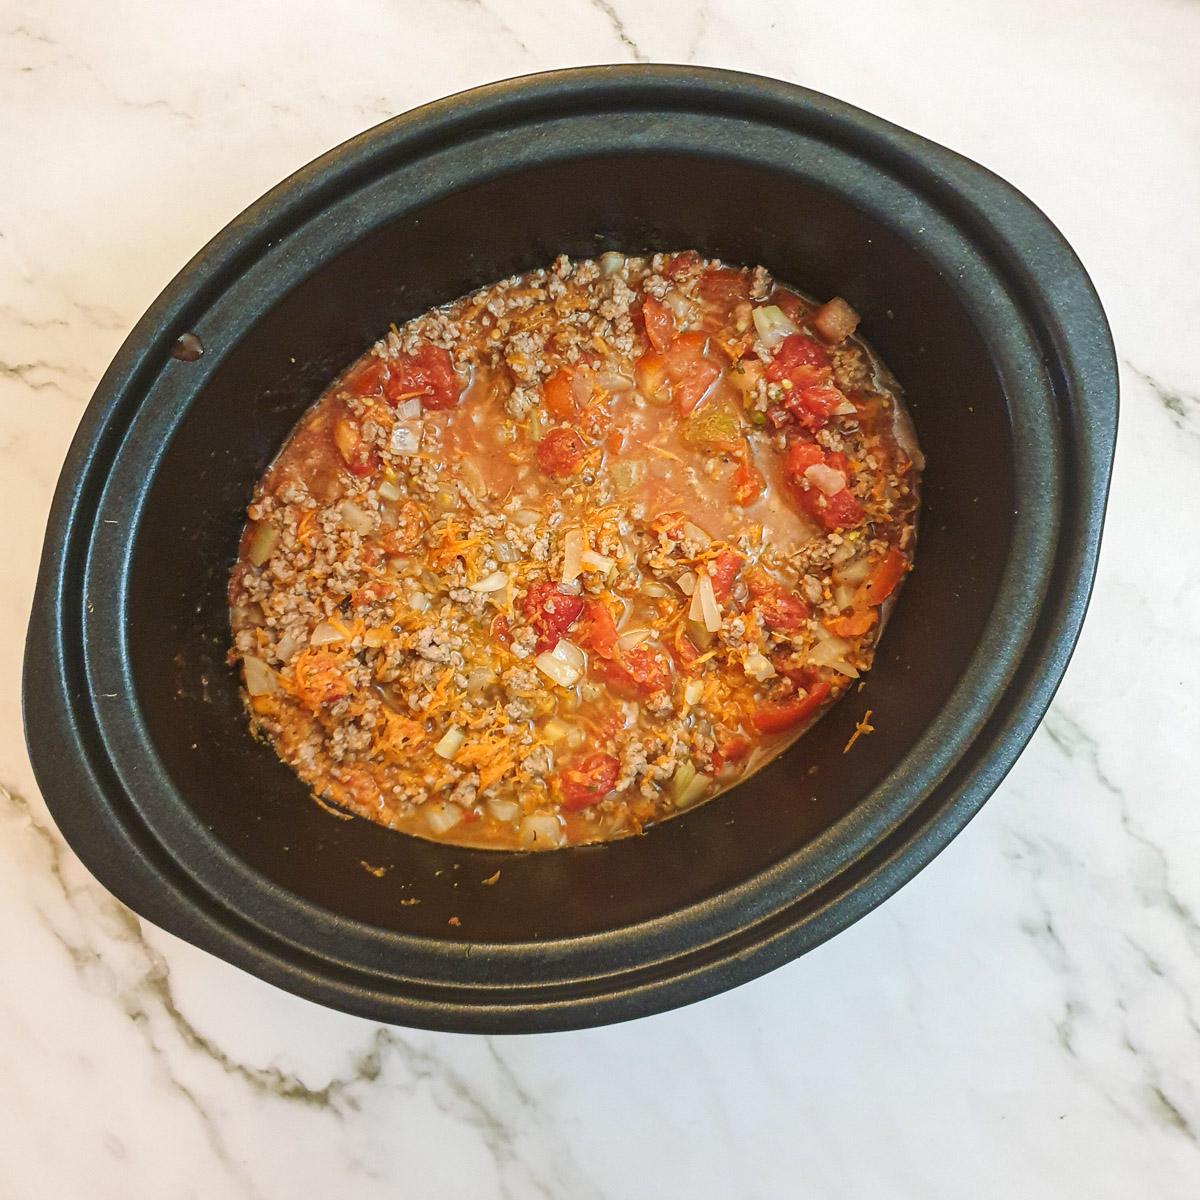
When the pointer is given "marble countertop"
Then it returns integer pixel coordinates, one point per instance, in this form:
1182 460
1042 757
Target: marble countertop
1023 1019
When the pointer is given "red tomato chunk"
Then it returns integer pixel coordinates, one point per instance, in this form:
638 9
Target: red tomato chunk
776 718
427 374
551 612
561 452
589 782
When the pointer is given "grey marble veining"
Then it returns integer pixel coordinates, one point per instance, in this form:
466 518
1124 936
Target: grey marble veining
1021 1020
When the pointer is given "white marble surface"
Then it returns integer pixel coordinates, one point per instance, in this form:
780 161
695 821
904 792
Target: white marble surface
1022 1020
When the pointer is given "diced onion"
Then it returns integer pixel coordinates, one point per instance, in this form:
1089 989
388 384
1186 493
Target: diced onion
494 582
262 544
843 595
687 784
611 261
710 610
830 651
410 409
541 829
613 381
442 815
445 499
451 744
635 637
358 520
288 645
418 602
757 667
389 491
655 591
693 690
504 810
678 303
773 325
480 678
325 634
574 545
556 730
591 561
406 437
687 582
473 478
829 480
853 572
260 679
695 533
504 552
562 665
526 516
845 409
627 474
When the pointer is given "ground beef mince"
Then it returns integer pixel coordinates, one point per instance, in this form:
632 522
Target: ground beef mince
576 552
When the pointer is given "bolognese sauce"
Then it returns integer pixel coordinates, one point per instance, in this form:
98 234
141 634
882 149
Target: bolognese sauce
576 552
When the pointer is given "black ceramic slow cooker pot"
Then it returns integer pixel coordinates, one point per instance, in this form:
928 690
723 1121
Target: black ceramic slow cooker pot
136 731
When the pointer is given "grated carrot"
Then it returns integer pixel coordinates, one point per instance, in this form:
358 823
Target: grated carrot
859 729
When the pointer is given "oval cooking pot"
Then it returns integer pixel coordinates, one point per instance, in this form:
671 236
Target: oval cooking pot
136 731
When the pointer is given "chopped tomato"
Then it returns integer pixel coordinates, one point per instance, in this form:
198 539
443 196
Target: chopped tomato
801 456
671 524
690 371
560 452
595 419
680 264
852 625
775 718
411 524
502 629
681 374
367 378
636 672
685 651
650 374
789 304
884 578
558 395
647 669
659 321
796 350
778 608
640 671
370 593
598 631
731 748
319 679
747 484
589 782
428 374
551 612
839 511
723 571
721 290
813 406
359 455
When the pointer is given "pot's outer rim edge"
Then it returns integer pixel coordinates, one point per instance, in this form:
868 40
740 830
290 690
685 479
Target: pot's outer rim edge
124 865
